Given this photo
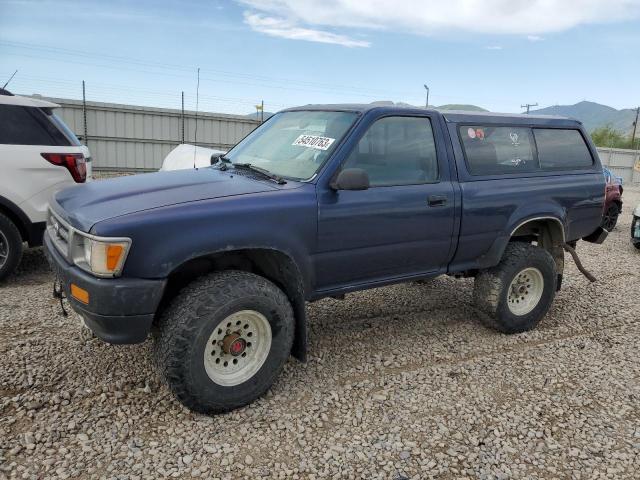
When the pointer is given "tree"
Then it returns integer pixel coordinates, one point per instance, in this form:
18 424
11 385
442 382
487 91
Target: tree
608 137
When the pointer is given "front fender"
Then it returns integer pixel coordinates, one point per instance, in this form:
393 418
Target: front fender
165 238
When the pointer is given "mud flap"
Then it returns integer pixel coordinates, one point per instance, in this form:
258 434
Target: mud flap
578 263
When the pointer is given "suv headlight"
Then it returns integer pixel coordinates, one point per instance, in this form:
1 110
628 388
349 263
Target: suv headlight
100 256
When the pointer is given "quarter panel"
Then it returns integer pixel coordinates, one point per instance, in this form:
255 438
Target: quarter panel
492 209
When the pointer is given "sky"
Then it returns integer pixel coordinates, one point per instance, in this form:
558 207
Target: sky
497 54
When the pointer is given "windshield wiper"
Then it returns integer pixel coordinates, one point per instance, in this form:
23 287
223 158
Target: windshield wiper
276 178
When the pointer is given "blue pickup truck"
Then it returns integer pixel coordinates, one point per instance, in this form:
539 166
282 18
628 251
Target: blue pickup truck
217 263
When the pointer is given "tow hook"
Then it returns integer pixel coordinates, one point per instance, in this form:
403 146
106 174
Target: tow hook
578 263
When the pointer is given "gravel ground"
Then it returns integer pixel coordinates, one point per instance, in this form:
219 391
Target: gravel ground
402 382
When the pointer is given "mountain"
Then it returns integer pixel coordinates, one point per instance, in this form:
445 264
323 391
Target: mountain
461 106
449 106
594 115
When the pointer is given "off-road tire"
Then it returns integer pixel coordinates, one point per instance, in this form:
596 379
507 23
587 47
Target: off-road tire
610 217
184 328
9 235
491 288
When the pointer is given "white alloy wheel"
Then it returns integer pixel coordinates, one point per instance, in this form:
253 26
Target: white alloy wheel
525 291
237 348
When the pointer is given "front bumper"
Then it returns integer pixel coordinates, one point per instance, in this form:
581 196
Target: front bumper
120 310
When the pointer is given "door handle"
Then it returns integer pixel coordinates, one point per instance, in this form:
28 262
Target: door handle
437 200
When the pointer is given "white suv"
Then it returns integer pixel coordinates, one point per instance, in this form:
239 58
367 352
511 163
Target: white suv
39 155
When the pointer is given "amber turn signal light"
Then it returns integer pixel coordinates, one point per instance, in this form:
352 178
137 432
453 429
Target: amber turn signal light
114 252
79 294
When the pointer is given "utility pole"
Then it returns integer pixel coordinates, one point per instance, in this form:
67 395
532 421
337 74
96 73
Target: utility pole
427 102
262 112
528 106
635 125
182 117
84 114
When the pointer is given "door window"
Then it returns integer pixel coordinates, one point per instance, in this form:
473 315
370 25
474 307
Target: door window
397 151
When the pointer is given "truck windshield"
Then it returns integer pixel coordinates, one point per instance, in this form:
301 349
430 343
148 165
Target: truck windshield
293 144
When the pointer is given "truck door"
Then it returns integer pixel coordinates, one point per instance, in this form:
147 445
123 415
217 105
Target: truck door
403 224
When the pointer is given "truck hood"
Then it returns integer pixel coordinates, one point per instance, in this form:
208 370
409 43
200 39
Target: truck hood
87 204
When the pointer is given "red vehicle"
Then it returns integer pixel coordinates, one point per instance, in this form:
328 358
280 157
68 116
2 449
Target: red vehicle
613 200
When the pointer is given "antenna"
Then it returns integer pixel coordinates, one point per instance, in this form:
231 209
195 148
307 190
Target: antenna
10 78
195 134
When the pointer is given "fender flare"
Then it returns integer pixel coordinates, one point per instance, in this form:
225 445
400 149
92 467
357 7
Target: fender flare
494 254
546 217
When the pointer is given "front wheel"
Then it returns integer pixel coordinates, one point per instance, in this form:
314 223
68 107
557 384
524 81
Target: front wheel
516 294
224 340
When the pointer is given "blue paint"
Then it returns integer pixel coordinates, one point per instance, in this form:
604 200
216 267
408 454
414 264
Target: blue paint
340 240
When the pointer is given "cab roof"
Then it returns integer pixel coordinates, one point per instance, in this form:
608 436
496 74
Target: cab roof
451 116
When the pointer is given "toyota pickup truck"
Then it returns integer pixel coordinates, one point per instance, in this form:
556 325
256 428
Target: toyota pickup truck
217 263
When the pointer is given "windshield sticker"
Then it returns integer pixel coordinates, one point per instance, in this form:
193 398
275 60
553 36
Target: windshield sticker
514 139
314 141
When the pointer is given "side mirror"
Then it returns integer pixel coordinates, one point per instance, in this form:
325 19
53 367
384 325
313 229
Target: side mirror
351 179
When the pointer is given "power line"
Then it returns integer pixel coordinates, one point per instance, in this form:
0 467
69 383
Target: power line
354 90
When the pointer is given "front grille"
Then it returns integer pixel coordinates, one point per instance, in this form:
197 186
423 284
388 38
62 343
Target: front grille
60 233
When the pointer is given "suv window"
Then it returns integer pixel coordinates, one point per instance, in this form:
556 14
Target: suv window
498 150
561 148
397 151
28 126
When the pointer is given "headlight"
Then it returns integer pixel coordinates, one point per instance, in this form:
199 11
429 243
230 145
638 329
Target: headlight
101 256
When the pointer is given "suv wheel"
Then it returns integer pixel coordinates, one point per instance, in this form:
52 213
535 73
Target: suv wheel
516 294
10 246
610 218
224 340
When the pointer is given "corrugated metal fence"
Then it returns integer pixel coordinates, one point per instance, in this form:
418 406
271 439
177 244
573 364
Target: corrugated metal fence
127 137
624 163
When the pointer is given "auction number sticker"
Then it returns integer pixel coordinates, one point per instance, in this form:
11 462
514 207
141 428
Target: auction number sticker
314 141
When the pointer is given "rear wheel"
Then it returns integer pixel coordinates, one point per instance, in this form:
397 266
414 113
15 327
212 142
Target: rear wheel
610 218
224 340
10 247
516 294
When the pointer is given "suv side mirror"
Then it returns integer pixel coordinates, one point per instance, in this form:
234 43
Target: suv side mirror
351 179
